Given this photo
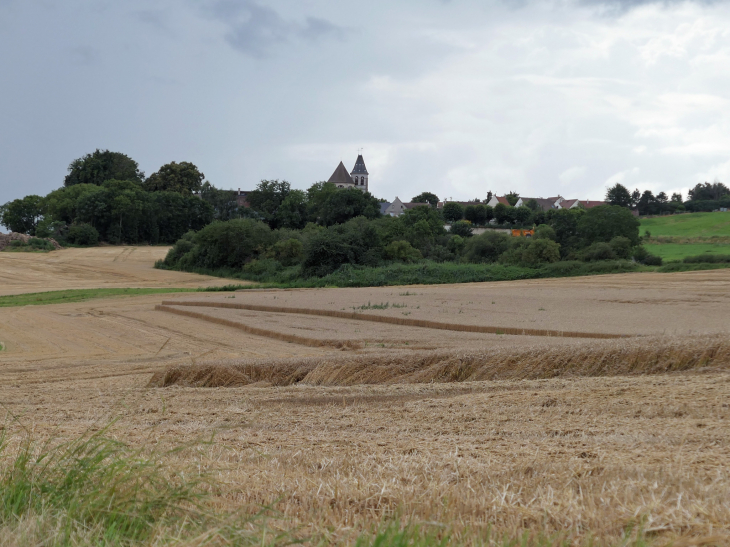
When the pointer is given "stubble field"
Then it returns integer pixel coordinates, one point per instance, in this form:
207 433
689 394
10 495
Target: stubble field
610 413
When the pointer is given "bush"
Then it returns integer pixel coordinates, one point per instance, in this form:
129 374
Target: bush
653 260
486 247
462 228
603 223
403 251
82 234
707 259
545 231
621 247
288 252
598 251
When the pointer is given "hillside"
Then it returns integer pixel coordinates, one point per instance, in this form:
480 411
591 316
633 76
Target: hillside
689 225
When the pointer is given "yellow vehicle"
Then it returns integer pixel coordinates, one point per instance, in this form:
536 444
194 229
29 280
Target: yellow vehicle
516 232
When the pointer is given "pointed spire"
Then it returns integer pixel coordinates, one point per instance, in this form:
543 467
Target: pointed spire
341 176
359 168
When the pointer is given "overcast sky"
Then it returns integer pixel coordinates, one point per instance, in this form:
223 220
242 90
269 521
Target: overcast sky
455 97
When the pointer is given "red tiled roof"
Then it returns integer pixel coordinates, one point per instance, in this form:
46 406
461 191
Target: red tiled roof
590 204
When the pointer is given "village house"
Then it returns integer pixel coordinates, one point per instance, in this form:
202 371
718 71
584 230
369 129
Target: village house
397 207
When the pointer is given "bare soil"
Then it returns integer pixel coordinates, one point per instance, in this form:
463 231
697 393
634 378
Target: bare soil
584 456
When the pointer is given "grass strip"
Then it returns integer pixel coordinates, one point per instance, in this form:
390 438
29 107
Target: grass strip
82 295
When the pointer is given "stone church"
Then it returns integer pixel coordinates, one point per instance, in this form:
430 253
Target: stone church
358 178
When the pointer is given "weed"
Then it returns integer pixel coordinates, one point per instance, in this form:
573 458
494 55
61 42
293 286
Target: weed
400 305
369 306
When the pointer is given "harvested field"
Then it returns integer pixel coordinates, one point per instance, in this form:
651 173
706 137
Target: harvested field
468 431
97 267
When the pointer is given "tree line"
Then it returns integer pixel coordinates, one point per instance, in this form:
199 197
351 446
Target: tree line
105 197
255 248
704 197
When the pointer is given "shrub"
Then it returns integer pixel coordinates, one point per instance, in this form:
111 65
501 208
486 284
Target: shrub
540 251
288 252
621 247
486 247
456 244
439 253
462 228
653 260
82 234
598 251
640 253
707 259
453 212
545 231
403 251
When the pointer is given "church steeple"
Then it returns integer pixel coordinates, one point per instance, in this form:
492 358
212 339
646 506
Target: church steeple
359 174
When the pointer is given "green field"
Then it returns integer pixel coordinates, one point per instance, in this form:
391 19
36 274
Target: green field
677 251
689 225
75 295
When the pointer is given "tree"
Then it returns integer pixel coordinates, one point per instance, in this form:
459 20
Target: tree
317 196
540 251
648 204
100 166
403 251
224 202
635 197
462 228
619 195
349 203
267 197
501 213
522 215
707 191
512 198
603 223
662 198
476 214
452 212
532 205
676 197
22 215
426 197
293 210
486 247
183 177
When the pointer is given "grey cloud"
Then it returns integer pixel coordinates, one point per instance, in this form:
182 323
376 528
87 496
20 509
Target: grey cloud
256 29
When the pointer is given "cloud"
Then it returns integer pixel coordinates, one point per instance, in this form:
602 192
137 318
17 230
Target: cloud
256 30
571 175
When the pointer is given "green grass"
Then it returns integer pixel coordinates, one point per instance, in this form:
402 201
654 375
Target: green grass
76 295
81 295
703 225
677 251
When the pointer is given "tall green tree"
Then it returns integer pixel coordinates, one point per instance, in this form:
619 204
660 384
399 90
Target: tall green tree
100 166
349 203
619 195
267 198
292 212
708 191
224 202
512 198
22 215
452 212
603 223
183 177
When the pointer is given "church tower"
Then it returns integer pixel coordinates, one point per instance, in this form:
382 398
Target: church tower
359 174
